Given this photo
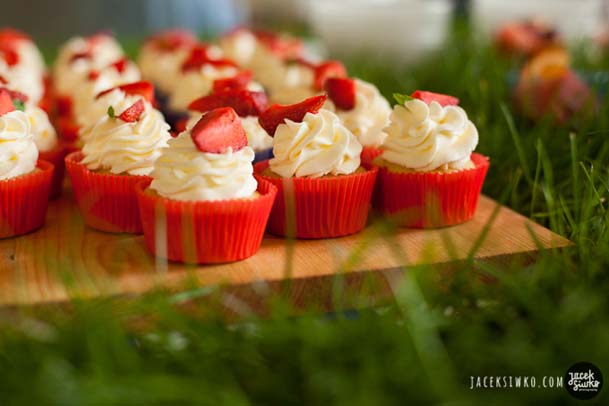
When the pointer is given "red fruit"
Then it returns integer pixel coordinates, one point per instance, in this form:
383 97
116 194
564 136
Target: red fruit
120 65
239 81
3 81
219 130
326 70
244 102
9 53
14 95
442 99
6 103
171 40
133 113
142 88
96 38
277 114
283 47
11 35
199 56
93 75
342 92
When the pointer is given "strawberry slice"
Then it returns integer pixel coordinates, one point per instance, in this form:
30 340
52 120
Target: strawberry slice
14 95
219 130
133 113
142 88
93 75
6 103
341 91
282 46
199 56
442 99
326 70
277 114
9 53
12 35
3 81
239 81
173 39
120 65
244 102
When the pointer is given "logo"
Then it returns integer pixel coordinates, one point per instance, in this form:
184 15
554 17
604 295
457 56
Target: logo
584 381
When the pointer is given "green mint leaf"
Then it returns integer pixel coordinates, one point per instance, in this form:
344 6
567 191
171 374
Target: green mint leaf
111 112
401 98
18 105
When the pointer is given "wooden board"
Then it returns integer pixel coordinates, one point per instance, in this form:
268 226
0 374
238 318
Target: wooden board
66 259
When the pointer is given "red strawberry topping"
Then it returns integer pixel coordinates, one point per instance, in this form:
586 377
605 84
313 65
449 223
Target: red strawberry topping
277 114
80 55
239 81
3 81
120 65
133 113
171 40
142 88
442 99
14 95
199 56
341 91
9 53
244 102
12 35
219 130
6 103
93 75
283 47
326 70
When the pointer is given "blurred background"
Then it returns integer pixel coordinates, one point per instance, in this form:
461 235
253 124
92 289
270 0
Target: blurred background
403 29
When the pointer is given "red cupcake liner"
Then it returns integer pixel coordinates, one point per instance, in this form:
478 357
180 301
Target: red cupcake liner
46 102
368 155
67 128
205 232
24 201
56 156
319 207
429 199
106 201
63 106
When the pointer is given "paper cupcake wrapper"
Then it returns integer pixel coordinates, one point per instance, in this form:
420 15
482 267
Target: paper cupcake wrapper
319 207
24 201
46 102
204 232
56 156
106 201
428 200
369 154
63 106
67 129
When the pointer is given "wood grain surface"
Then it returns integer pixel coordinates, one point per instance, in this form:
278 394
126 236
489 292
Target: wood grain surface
66 259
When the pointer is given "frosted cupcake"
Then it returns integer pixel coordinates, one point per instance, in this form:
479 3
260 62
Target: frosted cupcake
196 78
25 181
320 157
19 66
429 175
363 110
118 152
248 105
204 204
161 57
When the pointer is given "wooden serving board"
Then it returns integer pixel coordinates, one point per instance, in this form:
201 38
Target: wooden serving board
66 259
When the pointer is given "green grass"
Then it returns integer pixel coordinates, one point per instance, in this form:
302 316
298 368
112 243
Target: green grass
534 320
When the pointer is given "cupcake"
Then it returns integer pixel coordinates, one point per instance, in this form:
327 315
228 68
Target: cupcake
204 204
196 78
25 181
363 110
19 67
428 175
323 191
248 105
119 151
161 56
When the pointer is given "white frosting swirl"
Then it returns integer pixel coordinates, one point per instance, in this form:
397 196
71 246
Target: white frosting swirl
197 83
21 78
18 152
182 172
369 116
30 57
318 146
108 78
257 138
429 137
45 136
240 47
98 109
122 147
68 74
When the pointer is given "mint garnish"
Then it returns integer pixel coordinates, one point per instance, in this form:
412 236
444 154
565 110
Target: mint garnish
18 105
111 112
402 98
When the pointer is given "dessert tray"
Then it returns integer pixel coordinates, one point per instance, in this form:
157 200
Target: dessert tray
66 259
